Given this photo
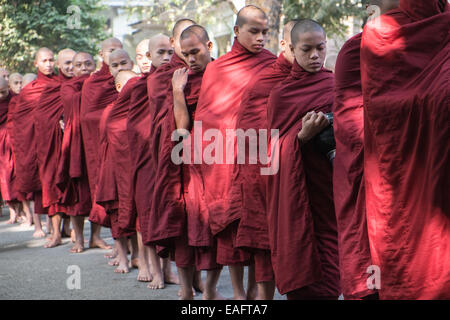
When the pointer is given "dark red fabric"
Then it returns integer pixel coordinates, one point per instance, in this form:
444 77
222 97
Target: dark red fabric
223 85
301 218
27 172
72 177
138 131
263 266
404 71
118 154
97 93
348 174
248 184
166 218
7 176
47 116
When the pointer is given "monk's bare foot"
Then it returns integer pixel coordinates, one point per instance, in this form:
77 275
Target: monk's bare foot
114 262
39 234
215 296
53 243
134 263
122 267
156 283
77 248
10 221
180 293
144 275
27 223
252 294
99 243
111 255
199 286
171 279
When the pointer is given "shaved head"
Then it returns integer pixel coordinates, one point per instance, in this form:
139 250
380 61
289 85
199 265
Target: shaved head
160 50
4 73
107 47
142 59
179 27
305 26
122 78
249 12
4 89
15 82
83 64
195 31
27 78
64 62
45 61
119 60
286 41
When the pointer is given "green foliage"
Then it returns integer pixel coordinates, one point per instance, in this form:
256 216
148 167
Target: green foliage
28 25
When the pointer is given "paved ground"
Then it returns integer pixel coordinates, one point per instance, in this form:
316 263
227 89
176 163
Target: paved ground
29 271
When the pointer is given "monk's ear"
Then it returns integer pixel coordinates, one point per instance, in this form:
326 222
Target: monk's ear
172 42
149 56
291 47
209 45
236 30
118 87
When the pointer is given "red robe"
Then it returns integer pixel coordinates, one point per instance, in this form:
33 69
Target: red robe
7 176
404 70
221 93
47 116
248 183
301 218
98 92
116 177
348 181
138 132
166 218
71 174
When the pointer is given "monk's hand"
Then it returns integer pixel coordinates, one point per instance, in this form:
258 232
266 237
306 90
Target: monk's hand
179 79
312 124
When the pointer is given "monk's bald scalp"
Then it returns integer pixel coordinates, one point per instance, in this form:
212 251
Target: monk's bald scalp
248 12
287 28
124 76
178 27
195 31
27 78
65 52
41 51
143 45
86 54
110 42
3 84
117 53
15 75
304 26
155 40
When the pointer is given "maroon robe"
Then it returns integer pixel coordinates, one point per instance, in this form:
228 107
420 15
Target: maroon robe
7 176
138 132
71 174
97 93
301 218
47 116
166 217
405 80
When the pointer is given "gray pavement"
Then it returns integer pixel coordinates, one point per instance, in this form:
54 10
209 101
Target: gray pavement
30 271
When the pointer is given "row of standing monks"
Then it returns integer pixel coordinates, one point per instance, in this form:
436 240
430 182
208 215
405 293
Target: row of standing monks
374 223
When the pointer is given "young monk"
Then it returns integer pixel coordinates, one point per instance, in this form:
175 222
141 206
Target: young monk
47 116
142 59
4 74
98 91
165 203
27 174
301 218
15 82
138 130
404 72
71 176
195 249
219 101
252 233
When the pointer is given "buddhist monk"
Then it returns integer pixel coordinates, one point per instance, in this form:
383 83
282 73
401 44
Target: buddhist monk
98 91
27 174
165 203
27 78
138 129
47 116
142 60
348 174
15 82
252 233
195 249
219 101
4 74
301 218
72 173
404 73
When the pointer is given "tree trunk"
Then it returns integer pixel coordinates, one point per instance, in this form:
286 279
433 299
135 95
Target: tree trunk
273 10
